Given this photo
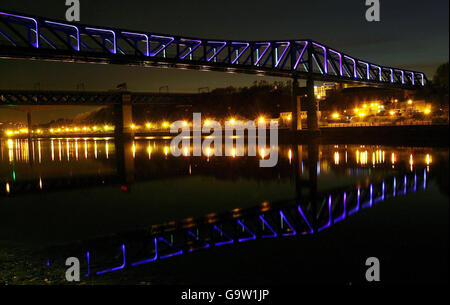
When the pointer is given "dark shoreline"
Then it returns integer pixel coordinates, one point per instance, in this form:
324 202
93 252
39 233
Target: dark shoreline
416 135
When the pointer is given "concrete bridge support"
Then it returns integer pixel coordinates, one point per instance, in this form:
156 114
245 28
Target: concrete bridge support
124 140
123 117
306 97
295 106
311 106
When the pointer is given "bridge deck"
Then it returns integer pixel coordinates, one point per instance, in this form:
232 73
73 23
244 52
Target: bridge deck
31 37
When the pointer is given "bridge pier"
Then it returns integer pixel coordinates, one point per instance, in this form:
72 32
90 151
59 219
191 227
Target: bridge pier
124 140
123 117
295 106
305 95
311 106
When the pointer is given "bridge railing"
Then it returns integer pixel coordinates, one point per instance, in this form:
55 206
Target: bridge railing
24 36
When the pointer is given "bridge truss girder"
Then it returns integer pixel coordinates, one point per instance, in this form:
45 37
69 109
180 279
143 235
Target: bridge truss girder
30 37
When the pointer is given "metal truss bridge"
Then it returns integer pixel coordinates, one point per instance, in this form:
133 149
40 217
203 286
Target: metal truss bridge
89 98
30 37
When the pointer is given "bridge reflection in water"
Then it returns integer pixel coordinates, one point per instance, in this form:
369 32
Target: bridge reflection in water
311 211
277 220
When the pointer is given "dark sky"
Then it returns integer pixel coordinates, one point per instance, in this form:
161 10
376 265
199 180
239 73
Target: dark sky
412 34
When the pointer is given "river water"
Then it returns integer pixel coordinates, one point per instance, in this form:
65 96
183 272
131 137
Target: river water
314 217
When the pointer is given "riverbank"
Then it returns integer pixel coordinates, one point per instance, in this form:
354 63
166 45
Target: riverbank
408 135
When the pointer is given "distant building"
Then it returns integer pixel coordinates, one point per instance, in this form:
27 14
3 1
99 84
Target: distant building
320 92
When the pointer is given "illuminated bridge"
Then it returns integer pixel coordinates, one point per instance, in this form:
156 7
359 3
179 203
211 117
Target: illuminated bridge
37 38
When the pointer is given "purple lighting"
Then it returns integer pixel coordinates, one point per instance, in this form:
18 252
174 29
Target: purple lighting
329 216
311 230
380 76
358 198
247 45
301 54
149 260
262 54
424 179
404 185
34 44
247 229
355 74
281 58
403 75
162 46
88 264
340 61
116 268
371 195
114 50
325 61
268 226
395 186
278 60
367 68
197 238
179 252
68 26
415 182
218 51
191 50
229 241
289 225
342 216
147 50
412 78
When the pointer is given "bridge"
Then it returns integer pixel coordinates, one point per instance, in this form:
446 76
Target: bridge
90 98
37 38
33 101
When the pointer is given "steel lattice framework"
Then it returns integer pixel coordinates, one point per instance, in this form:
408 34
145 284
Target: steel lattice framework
88 98
30 37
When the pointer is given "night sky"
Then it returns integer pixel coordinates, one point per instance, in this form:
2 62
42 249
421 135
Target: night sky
412 34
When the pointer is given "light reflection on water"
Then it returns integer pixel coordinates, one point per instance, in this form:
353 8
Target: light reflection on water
44 159
100 153
141 183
